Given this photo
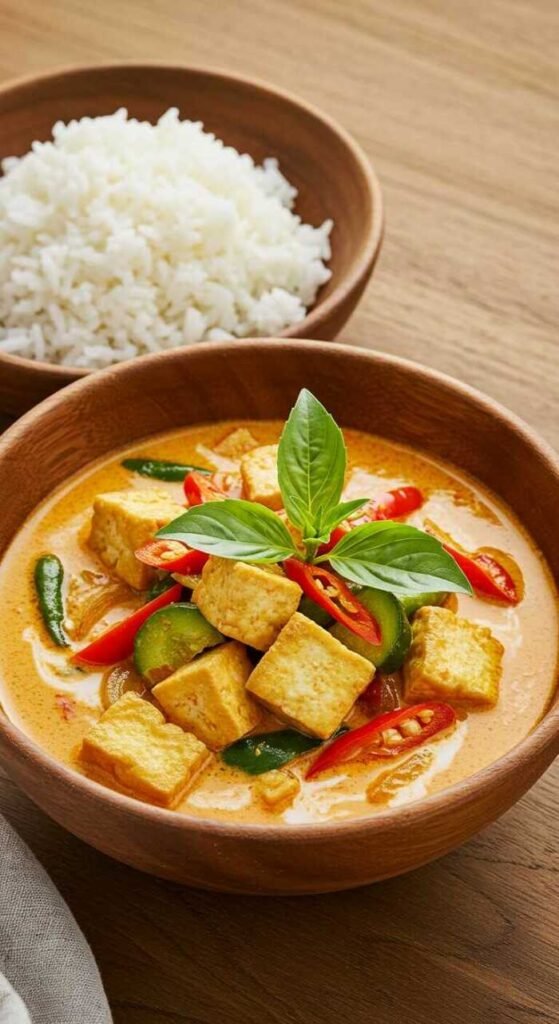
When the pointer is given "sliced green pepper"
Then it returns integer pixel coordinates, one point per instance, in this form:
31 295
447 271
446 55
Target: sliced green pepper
258 754
49 577
161 469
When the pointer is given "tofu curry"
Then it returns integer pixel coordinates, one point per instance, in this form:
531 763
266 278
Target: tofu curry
275 623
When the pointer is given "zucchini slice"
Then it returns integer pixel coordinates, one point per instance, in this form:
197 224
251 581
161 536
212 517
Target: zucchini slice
413 602
313 611
171 637
394 626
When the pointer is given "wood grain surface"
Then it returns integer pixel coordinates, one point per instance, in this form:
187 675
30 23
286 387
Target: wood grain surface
456 103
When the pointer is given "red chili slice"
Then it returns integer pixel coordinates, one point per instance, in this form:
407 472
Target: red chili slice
388 735
332 594
117 642
392 505
486 575
199 488
172 556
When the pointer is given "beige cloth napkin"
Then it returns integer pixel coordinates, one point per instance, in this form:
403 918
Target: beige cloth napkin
47 971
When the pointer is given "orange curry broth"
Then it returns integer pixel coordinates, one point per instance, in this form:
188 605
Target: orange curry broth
56 704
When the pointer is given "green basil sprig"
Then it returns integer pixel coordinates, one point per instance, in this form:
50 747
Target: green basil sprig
396 557
233 529
334 516
312 462
311 465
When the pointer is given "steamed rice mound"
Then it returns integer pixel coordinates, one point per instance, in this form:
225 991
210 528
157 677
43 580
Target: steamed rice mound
120 237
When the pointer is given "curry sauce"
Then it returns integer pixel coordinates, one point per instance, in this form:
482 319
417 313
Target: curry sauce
57 702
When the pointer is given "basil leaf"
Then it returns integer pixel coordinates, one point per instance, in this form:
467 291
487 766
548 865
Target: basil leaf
333 517
398 558
258 754
233 529
311 463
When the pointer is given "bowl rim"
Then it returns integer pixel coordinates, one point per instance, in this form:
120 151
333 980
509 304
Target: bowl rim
373 231
542 736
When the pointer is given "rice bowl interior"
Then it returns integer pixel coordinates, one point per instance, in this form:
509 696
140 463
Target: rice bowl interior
120 238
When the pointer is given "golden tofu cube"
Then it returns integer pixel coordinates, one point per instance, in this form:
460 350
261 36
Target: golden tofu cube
259 470
236 444
133 743
277 789
124 521
309 678
293 530
452 659
246 602
208 696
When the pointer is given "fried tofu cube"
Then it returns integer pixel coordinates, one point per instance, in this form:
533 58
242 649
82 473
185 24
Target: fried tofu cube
135 746
246 602
259 471
293 530
208 696
236 444
277 789
452 659
309 678
124 521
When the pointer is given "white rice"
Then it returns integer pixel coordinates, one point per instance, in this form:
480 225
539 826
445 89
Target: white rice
120 237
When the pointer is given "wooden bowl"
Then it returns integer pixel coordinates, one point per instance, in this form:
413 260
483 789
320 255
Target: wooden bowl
261 379
331 173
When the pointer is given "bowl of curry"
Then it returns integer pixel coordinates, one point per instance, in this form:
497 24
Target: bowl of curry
277 618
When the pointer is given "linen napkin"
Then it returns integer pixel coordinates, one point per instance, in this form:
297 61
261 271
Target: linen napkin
47 971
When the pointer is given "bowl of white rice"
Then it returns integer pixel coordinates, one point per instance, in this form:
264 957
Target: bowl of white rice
148 207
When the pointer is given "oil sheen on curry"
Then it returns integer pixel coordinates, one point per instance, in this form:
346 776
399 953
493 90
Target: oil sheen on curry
234 630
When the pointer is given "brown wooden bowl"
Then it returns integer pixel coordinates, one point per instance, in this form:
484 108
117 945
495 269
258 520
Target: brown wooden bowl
260 379
331 173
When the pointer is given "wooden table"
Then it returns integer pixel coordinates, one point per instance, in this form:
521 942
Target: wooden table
455 104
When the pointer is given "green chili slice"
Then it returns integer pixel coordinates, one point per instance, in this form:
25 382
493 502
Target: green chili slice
161 469
49 576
